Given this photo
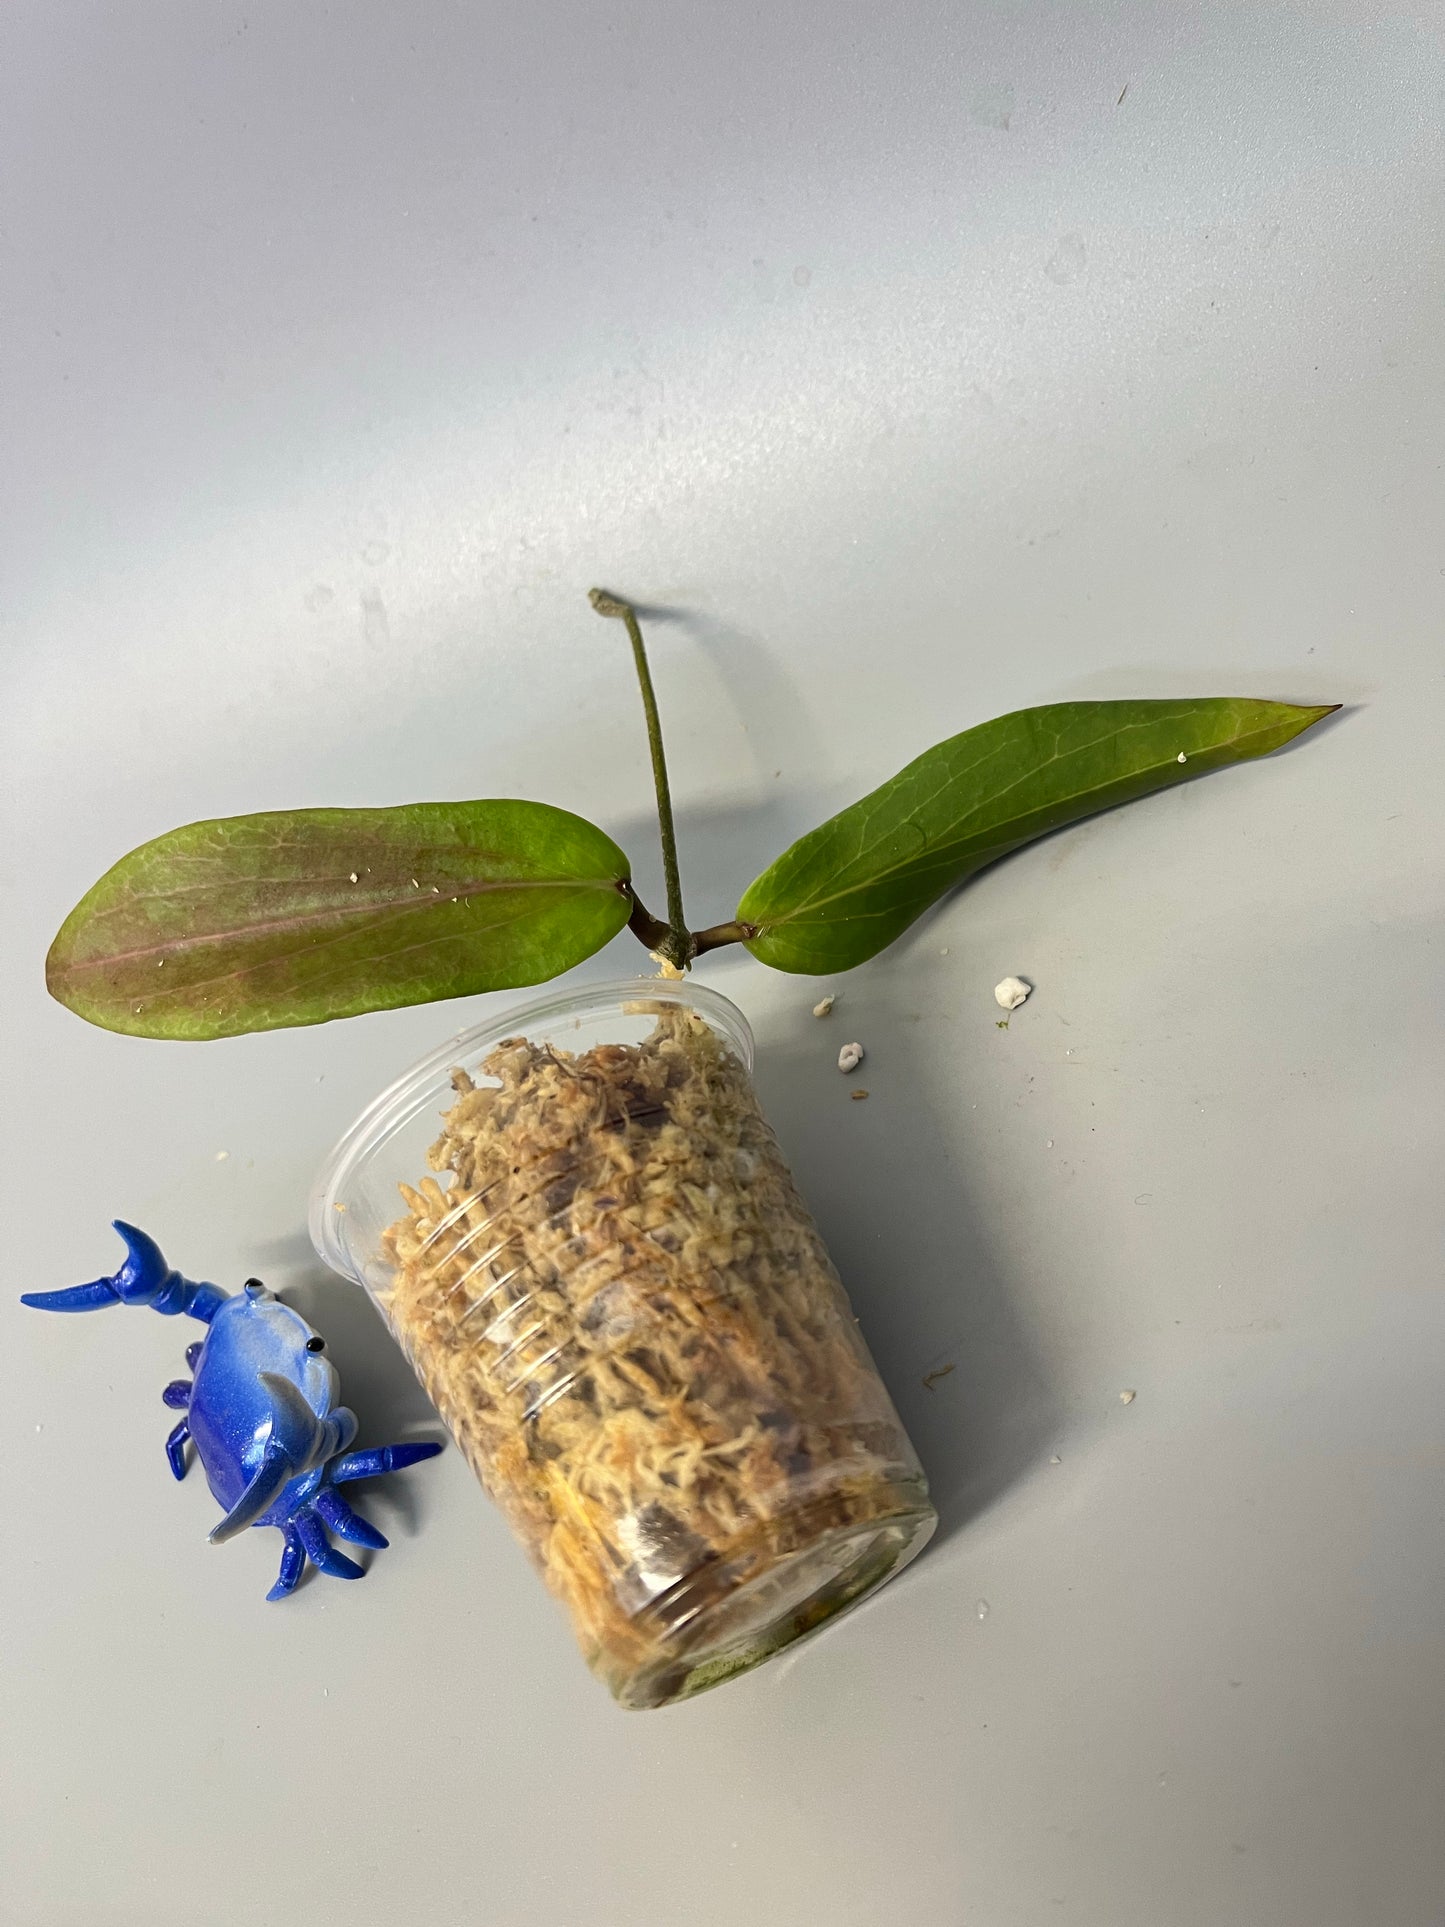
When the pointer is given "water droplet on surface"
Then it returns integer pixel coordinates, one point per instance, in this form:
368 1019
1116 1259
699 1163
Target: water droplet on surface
982 1609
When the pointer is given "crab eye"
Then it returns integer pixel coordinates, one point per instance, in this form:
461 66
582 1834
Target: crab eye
315 1344
254 1287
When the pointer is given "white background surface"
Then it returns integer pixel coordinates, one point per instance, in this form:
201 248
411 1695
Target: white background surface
923 372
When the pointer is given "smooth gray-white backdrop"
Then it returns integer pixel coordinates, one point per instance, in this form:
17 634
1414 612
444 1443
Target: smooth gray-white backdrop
917 362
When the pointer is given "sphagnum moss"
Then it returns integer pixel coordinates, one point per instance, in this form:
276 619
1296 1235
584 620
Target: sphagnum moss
621 1307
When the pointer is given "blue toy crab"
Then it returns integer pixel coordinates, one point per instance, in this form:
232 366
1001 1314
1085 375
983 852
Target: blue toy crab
261 1410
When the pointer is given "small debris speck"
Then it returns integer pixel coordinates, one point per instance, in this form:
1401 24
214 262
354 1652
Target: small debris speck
1048 1144
1055 1460
930 1379
982 1609
850 1057
1012 992
944 951
1127 1398
354 877
221 1156
1182 758
857 1096
823 1006
414 884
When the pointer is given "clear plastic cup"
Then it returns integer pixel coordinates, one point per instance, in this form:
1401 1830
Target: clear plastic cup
608 1284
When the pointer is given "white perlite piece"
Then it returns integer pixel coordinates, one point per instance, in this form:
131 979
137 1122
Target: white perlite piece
823 1006
1127 1398
850 1057
1182 758
1012 992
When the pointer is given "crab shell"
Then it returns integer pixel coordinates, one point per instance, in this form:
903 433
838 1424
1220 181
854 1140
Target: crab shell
232 1411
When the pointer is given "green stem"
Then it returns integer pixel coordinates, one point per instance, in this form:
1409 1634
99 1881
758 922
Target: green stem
676 945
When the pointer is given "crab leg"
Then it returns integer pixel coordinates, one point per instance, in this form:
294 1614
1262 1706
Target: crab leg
293 1558
346 1523
176 1448
380 1459
321 1551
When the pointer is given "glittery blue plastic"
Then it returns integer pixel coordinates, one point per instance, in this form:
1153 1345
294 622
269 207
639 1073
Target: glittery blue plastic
260 1411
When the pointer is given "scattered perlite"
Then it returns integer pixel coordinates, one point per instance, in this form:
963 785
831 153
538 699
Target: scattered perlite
1012 992
1127 1398
1181 758
850 1057
823 1006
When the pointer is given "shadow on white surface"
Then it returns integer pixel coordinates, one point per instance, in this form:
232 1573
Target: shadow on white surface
931 1292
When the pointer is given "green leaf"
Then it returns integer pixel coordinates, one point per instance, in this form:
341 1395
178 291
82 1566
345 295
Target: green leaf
848 888
297 916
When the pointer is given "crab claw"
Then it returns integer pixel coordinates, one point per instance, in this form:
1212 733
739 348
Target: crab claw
144 1279
74 1298
270 1479
299 1440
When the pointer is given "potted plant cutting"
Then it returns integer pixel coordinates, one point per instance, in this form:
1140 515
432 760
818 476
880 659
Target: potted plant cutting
600 1268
